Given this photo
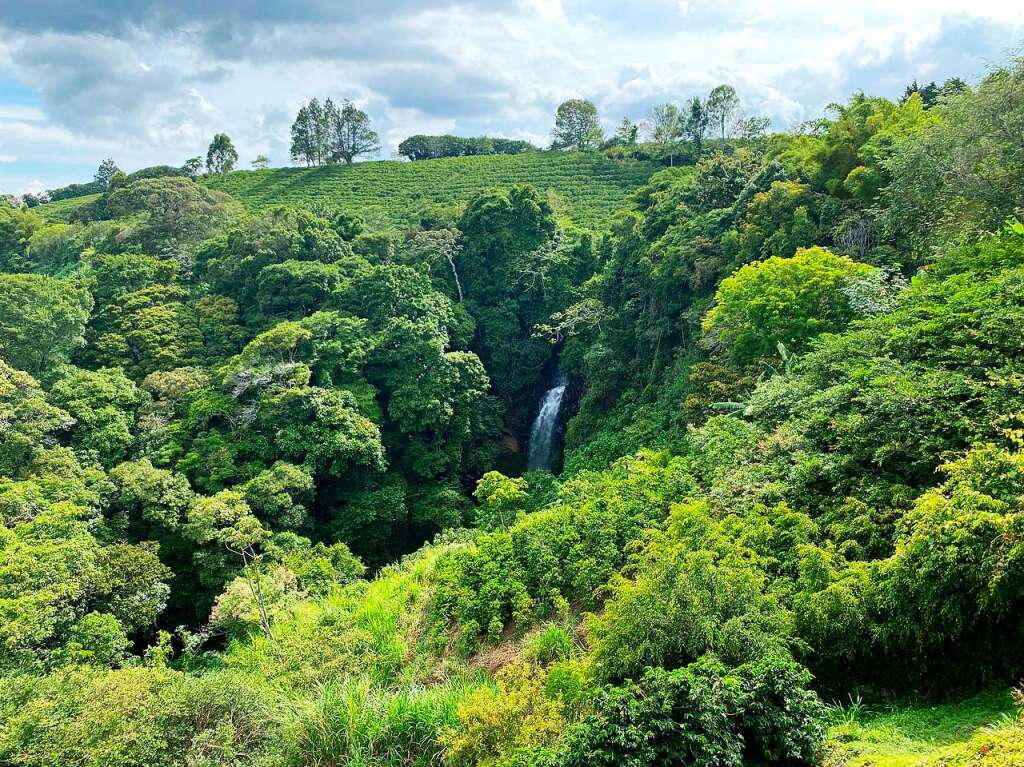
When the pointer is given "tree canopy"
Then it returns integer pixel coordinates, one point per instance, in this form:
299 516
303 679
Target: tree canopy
576 126
264 495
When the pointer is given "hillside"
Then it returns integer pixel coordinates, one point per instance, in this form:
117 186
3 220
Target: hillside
60 211
584 188
270 493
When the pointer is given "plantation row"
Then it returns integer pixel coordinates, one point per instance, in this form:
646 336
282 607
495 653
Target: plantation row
59 211
585 188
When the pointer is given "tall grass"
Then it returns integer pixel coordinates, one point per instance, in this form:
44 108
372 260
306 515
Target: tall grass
360 723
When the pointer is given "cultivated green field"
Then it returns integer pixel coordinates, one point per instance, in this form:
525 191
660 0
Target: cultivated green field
584 188
59 211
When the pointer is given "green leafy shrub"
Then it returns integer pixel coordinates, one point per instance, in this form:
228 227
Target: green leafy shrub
703 715
563 553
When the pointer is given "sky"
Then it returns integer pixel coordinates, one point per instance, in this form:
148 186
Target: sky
150 81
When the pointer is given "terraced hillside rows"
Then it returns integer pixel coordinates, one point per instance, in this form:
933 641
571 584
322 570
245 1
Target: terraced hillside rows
60 211
584 188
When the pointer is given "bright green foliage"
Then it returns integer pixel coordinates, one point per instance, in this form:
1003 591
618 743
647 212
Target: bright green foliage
957 570
686 600
138 717
258 403
103 404
777 222
358 722
592 185
565 552
961 175
702 715
577 126
501 500
146 331
323 430
42 320
226 519
29 420
984 729
174 209
221 155
235 259
517 723
281 495
16 229
781 300
146 496
55 572
97 638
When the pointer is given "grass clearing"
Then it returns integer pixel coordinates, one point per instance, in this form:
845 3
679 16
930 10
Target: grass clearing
982 730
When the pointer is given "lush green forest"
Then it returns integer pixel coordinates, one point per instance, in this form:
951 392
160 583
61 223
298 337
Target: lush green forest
262 465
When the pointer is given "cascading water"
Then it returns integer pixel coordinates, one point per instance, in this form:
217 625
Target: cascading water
541 453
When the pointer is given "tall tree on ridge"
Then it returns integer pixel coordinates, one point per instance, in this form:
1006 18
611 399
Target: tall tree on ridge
302 148
665 124
627 131
576 126
106 172
695 125
350 132
222 155
722 107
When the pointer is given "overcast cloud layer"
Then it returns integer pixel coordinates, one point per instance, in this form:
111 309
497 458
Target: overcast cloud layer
150 81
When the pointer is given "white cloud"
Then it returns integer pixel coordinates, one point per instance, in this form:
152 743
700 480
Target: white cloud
8 158
148 95
17 112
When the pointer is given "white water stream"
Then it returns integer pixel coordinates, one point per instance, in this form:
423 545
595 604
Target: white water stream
541 453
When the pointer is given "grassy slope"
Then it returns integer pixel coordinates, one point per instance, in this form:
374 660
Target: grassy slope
377 662
583 188
58 212
977 731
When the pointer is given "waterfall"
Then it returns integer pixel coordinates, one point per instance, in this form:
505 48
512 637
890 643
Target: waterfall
541 453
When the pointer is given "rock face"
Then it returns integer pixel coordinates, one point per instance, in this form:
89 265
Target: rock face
510 443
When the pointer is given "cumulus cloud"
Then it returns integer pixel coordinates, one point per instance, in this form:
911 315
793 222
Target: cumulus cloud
116 16
150 81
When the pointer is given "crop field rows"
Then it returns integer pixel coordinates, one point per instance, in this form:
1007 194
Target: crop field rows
584 188
59 211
